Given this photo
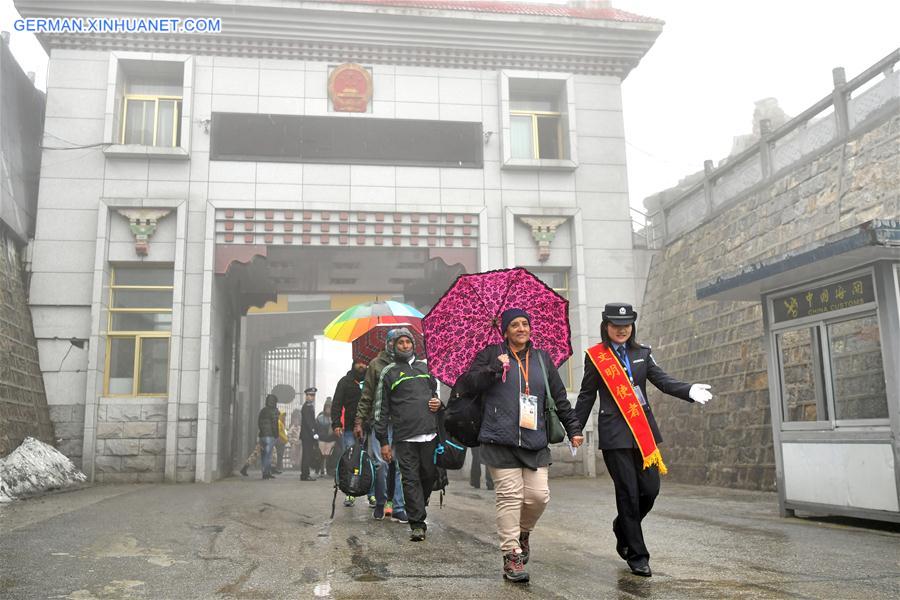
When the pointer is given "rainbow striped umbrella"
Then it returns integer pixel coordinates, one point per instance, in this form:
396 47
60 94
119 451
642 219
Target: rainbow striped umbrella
359 319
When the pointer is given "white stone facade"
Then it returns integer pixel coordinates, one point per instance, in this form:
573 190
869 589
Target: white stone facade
80 232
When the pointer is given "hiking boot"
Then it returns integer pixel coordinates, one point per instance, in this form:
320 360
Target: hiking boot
525 546
400 516
378 513
244 471
388 509
514 568
372 502
349 501
417 535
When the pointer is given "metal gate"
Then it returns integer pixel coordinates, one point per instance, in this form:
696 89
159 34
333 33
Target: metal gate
294 365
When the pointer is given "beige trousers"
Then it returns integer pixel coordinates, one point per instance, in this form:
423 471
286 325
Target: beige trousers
522 495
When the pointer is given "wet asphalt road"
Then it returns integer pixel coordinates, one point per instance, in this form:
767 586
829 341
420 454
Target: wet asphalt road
245 538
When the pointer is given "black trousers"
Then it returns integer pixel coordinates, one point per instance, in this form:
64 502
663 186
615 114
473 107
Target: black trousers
417 475
636 491
306 461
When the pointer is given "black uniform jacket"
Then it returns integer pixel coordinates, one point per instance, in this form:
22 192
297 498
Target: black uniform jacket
612 430
308 421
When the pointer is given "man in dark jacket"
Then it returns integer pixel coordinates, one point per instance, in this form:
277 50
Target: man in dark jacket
344 405
267 422
346 400
406 399
308 434
636 482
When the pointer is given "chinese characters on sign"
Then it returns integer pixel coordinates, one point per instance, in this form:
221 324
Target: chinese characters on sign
822 299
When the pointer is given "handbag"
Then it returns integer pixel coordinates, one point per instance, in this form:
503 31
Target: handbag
555 430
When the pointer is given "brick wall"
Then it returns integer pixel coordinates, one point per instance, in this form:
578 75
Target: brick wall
729 441
23 403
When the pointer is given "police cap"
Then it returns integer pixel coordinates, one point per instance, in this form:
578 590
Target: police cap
619 313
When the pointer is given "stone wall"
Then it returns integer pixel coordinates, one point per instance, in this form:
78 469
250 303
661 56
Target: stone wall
131 440
729 441
23 403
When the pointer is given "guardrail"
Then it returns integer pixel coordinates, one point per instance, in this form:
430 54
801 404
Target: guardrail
810 133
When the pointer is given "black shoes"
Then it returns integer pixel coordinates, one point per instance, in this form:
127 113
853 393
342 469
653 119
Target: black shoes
417 535
307 478
641 568
622 548
244 471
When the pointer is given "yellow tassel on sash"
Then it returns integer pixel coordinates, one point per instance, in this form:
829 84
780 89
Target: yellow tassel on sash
655 458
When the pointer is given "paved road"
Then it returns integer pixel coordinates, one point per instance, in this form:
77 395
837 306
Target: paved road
245 538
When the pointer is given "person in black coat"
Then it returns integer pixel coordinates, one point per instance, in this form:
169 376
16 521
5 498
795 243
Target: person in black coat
406 402
636 486
267 422
510 378
345 401
308 434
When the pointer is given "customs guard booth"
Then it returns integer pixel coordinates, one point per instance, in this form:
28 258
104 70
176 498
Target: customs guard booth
832 336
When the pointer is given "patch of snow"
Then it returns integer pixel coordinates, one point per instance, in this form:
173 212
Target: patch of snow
34 468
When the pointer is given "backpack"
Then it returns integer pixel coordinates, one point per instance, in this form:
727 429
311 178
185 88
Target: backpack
448 452
354 473
462 418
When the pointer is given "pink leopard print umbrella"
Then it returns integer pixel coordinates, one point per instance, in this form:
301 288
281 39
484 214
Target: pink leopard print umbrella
467 318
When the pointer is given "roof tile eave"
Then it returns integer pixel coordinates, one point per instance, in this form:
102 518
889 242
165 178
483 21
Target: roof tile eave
512 8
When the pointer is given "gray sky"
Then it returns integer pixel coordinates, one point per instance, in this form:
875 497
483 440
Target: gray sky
695 90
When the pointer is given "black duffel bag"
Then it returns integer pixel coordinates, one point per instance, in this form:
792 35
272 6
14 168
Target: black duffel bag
462 418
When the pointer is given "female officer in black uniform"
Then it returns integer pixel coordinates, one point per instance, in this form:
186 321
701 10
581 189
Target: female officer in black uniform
636 486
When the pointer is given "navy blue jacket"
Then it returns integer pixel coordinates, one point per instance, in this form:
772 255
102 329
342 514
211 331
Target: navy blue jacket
500 419
612 429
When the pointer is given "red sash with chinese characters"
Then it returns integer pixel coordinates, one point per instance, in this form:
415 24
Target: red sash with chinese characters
619 386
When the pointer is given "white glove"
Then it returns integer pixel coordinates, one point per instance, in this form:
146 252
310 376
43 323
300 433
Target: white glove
316 435
700 393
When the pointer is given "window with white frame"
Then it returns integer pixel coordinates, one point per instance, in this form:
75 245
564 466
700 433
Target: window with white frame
151 102
830 365
139 328
538 119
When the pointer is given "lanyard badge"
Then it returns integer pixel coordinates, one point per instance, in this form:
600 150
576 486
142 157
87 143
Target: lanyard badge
528 404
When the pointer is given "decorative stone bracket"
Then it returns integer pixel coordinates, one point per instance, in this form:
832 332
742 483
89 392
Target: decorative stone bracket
143 222
543 230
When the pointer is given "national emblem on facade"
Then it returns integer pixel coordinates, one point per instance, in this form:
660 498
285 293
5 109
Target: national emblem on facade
350 88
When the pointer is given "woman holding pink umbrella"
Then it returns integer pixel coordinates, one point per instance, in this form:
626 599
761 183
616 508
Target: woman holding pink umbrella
513 379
